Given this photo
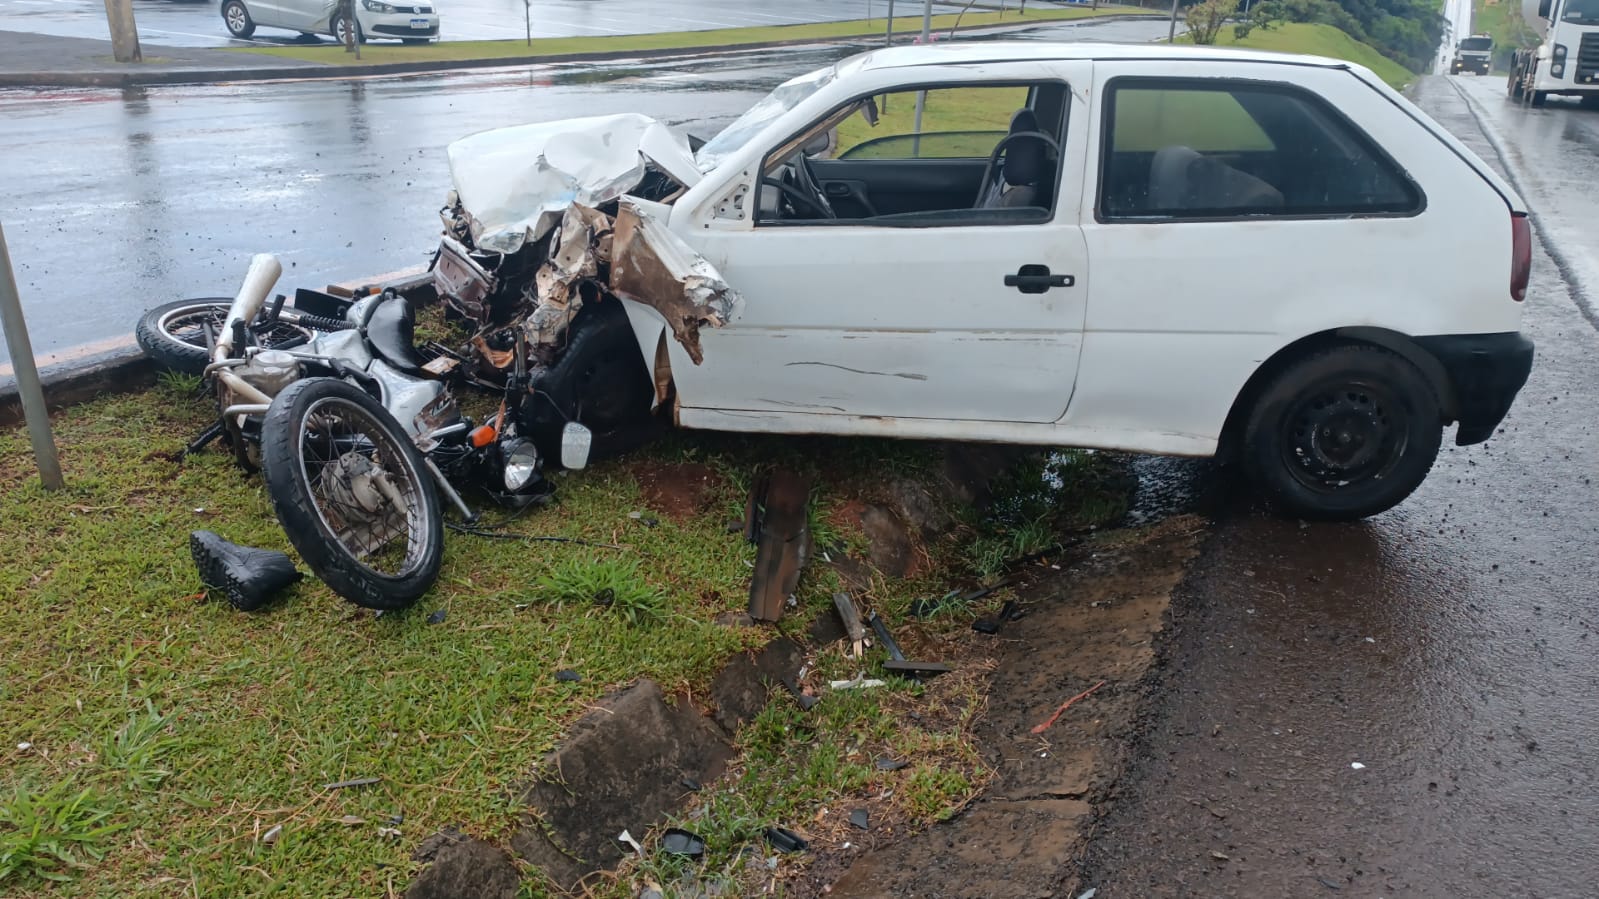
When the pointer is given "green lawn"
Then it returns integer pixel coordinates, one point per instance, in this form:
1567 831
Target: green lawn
152 737
448 51
1320 40
973 119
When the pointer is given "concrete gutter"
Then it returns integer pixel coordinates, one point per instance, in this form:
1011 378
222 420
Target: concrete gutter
305 70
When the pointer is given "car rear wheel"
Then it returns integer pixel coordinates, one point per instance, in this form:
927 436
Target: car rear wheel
1343 433
237 18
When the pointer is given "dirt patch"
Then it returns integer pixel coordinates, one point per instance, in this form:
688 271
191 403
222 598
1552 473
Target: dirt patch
679 490
1094 622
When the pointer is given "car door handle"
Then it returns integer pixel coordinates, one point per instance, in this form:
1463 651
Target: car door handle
1037 279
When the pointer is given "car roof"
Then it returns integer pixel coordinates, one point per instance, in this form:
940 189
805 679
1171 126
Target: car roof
978 52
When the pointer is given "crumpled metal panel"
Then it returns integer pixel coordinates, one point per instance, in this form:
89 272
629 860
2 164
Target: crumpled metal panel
580 246
651 265
517 183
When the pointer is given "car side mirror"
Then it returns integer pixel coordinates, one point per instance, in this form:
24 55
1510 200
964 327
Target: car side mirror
818 145
869 111
576 441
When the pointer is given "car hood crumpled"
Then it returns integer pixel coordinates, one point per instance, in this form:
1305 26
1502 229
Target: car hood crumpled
516 183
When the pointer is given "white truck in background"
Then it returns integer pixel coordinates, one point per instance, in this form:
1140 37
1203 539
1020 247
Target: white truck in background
1566 61
1473 54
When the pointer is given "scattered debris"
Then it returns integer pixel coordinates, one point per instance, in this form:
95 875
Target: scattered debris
781 526
1089 893
1357 766
897 661
888 764
271 836
249 577
677 841
389 833
861 818
1328 883
852 624
1219 856
627 838
690 784
568 676
1007 612
24 746
357 782
1040 728
352 820
784 840
437 617
859 683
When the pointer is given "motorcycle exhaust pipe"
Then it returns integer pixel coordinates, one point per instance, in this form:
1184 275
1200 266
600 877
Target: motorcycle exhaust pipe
265 269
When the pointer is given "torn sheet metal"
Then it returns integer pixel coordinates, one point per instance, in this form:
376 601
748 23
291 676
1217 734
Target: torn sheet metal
651 265
578 251
460 280
517 182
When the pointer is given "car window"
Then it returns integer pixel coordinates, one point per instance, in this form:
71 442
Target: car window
1209 149
788 95
982 155
957 122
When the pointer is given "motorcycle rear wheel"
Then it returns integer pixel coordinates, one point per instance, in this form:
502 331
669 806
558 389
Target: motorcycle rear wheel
173 334
353 493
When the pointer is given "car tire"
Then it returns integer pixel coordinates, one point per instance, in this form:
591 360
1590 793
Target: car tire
601 350
236 16
338 25
1343 433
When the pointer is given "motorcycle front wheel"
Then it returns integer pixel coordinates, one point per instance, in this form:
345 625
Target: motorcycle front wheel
174 334
353 493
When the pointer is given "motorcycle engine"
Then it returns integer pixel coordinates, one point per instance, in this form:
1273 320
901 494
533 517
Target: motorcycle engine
269 371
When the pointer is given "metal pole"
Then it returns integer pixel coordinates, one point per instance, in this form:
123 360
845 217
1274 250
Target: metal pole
888 36
124 34
527 18
921 96
1171 35
27 372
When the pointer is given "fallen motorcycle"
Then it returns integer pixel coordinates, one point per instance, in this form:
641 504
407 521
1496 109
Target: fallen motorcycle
355 439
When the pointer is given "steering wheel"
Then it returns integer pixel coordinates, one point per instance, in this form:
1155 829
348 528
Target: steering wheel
798 198
807 182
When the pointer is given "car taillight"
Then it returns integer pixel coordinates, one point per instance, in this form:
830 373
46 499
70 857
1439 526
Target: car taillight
1520 255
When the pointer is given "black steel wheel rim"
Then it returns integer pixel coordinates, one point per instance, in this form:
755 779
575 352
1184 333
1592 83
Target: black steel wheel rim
1341 434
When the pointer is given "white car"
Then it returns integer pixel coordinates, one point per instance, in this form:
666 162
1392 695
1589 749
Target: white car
1171 250
416 22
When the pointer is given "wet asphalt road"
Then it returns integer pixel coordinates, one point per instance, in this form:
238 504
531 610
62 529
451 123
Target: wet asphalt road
118 200
1447 646
198 23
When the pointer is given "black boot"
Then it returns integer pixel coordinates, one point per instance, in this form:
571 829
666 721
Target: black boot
248 576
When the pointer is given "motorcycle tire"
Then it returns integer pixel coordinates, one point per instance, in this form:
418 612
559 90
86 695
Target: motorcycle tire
347 484
173 334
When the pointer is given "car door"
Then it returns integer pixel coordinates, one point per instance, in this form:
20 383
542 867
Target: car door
932 314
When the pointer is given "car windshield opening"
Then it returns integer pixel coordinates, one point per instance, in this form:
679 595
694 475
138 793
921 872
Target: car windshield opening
788 95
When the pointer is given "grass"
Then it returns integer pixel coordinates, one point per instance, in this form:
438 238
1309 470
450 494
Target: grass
166 734
957 112
1320 40
452 51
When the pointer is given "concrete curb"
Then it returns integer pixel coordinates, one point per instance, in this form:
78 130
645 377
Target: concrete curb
324 71
122 370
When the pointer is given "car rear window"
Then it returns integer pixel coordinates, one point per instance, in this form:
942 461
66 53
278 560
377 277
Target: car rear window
1214 148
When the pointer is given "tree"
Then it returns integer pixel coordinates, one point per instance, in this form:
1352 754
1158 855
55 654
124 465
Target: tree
1205 19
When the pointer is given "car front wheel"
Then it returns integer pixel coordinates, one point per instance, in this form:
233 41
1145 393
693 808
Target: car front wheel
1343 433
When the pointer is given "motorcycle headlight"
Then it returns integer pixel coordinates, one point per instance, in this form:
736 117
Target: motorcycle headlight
521 465
377 6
